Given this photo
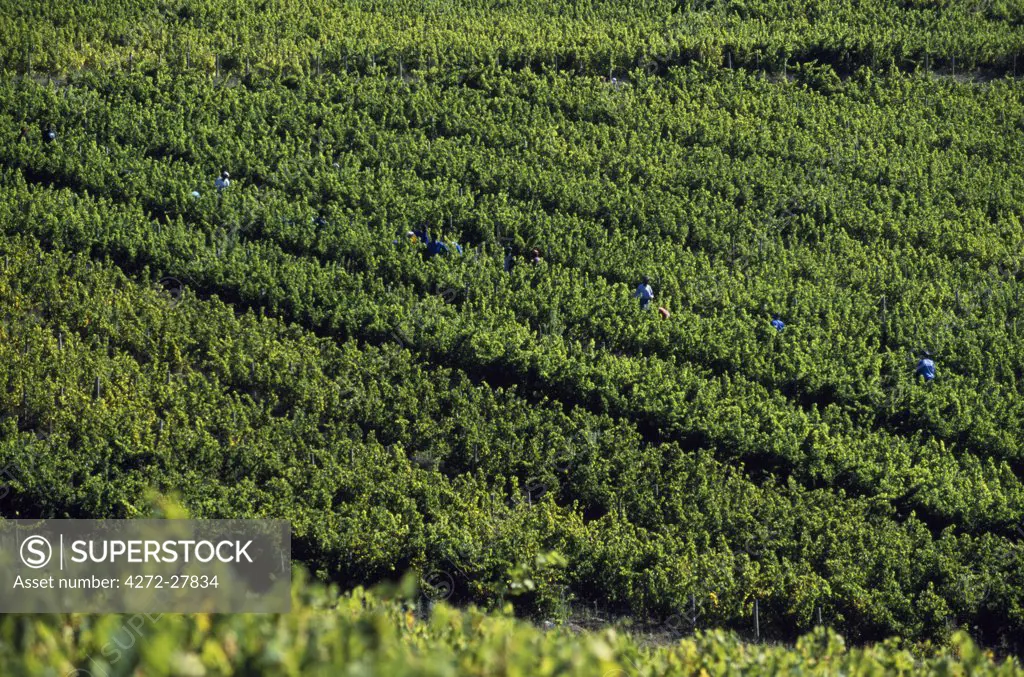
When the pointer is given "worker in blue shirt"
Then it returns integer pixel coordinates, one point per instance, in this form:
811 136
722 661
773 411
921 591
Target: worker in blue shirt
644 293
222 181
778 323
926 367
436 247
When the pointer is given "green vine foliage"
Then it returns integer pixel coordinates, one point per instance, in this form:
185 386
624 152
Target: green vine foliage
387 632
523 434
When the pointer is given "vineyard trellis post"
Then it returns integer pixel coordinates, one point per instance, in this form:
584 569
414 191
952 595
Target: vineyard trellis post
885 324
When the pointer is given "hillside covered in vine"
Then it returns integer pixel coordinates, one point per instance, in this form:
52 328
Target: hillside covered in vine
502 417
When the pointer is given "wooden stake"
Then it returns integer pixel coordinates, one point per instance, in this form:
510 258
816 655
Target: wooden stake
757 621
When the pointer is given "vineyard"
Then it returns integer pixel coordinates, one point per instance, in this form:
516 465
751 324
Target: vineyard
520 433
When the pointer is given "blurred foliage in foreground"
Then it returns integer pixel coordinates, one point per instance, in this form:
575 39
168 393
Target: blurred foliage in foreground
383 633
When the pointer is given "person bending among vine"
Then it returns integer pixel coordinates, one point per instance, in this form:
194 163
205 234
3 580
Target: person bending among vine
223 181
925 367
